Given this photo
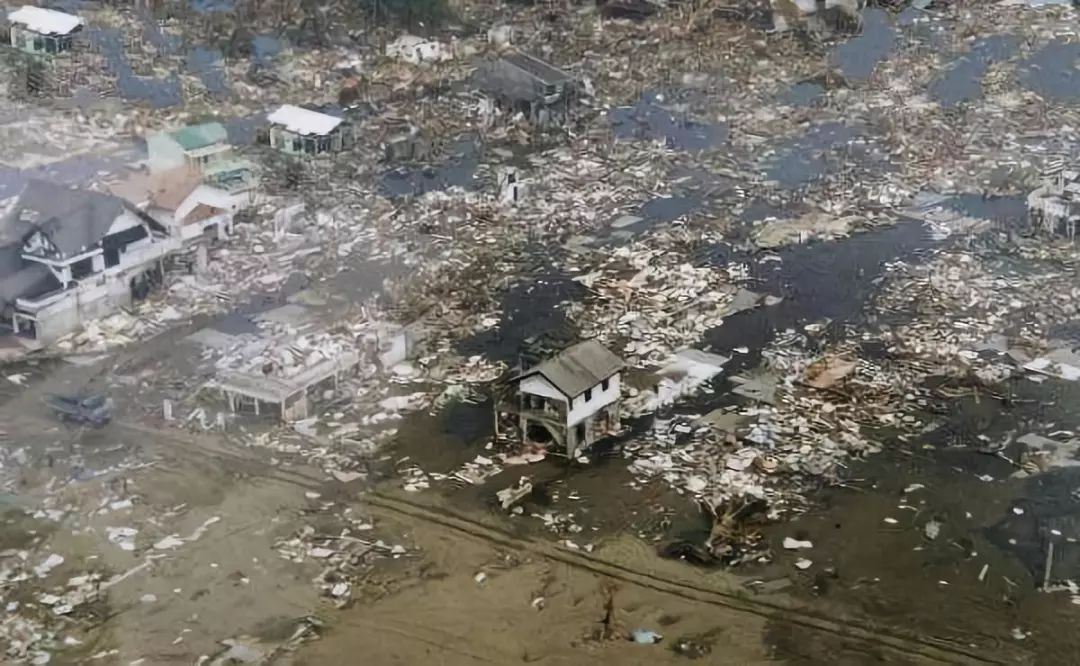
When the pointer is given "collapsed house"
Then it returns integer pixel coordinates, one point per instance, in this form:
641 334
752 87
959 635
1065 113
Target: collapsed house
520 83
41 31
297 131
572 399
70 255
278 373
1055 205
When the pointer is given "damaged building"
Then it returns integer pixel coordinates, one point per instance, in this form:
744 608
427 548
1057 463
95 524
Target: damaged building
40 31
572 399
205 150
521 83
43 55
817 17
1055 205
70 255
297 131
194 183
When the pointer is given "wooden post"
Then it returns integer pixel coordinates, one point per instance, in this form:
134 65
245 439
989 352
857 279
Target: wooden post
1049 564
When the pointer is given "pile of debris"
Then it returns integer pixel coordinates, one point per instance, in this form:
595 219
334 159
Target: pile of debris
656 304
343 557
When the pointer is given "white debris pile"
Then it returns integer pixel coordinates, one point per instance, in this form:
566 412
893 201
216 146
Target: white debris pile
287 356
38 607
976 313
342 557
822 414
657 304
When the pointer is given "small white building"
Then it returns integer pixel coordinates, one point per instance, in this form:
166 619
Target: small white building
298 131
45 31
573 398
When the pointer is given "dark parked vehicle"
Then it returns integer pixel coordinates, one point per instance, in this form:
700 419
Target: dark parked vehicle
94 410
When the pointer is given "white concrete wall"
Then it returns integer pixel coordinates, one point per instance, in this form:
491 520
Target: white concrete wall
213 196
98 295
163 152
538 385
580 410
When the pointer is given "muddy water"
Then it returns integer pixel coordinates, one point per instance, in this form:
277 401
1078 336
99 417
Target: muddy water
648 119
824 149
817 281
806 93
857 58
530 314
962 81
1052 72
457 170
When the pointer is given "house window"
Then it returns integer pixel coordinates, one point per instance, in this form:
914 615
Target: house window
588 395
605 384
82 268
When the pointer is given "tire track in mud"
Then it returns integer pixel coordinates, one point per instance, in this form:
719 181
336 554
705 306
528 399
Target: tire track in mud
933 650
196 449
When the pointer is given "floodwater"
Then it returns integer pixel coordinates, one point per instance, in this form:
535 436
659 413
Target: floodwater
822 280
963 80
821 150
266 48
159 93
669 209
804 93
857 58
209 66
648 120
457 170
999 209
530 314
1052 72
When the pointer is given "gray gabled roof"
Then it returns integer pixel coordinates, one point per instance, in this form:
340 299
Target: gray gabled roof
74 220
578 368
549 74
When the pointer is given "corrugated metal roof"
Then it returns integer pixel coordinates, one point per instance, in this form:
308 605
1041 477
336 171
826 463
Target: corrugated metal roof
303 121
578 368
45 21
200 136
